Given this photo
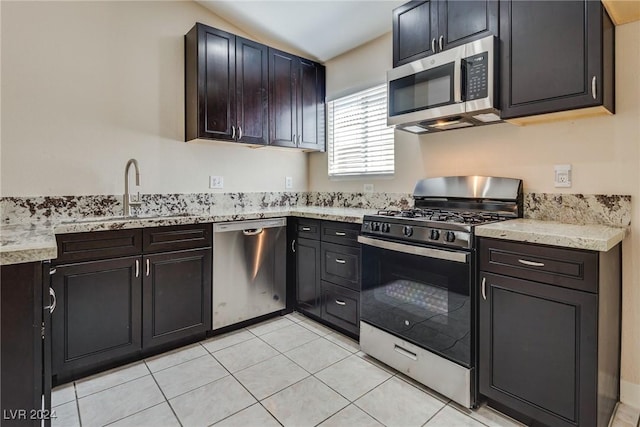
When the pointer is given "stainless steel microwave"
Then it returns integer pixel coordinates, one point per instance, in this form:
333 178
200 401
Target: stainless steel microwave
452 89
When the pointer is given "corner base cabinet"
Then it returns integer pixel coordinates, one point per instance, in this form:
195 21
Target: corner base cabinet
549 332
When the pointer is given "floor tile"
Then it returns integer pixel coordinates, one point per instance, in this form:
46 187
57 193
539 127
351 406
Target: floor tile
113 377
317 354
270 376
120 401
351 416
63 394
245 354
316 327
625 416
344 342
189 375
285 339
420 386
487 416
254 415
295 317
175 357
353 377
376 362
448 417
65 415
306 403
212 402
157 416
270 326
227 340
396 402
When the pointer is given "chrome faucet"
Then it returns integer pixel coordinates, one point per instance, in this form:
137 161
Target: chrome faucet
128 201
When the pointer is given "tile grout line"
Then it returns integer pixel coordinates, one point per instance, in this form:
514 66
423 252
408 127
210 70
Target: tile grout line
164 395
75 393
433 416
116 385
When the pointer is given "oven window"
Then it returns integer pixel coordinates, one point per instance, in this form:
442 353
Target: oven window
420 299
426 89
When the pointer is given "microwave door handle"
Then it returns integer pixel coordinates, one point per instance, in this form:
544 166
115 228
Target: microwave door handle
457 81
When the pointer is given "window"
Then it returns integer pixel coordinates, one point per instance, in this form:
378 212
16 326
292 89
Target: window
360 142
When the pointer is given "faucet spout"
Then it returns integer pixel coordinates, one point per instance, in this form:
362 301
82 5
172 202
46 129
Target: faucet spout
127 202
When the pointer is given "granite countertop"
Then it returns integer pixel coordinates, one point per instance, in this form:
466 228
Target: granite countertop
35 241
590 237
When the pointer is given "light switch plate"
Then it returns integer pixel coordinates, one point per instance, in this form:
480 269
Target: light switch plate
216 182
562 176
288 182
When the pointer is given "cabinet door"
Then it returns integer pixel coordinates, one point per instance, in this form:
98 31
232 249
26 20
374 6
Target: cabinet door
216 84
414 30
551 54
251 92
97 319
308 275
282 98
538 350
310 105
177 296
460 22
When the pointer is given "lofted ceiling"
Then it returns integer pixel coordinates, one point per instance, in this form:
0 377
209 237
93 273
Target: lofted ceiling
321 29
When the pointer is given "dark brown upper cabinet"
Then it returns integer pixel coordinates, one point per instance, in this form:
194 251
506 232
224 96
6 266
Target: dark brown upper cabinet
296 101
422 28
225 87
556 56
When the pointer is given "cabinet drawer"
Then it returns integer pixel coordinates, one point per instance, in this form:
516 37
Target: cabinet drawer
341 265
308 229
341 306
162 239
340 232
98 244
568 268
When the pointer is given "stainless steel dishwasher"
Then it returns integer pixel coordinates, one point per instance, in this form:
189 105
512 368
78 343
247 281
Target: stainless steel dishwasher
249 270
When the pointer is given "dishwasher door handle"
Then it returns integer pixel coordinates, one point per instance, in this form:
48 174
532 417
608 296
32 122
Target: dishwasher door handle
252 231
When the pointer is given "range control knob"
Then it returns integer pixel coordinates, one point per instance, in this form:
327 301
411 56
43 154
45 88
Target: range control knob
386 227
434 235
407 230
450 236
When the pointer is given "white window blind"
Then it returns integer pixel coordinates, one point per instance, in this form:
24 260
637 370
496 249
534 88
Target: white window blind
360 142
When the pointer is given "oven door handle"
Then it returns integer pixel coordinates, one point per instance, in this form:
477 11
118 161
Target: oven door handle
462 257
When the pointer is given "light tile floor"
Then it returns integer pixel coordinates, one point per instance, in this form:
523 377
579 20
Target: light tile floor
287 371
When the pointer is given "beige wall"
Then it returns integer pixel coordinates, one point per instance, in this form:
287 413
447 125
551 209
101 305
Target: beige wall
604 153
88 85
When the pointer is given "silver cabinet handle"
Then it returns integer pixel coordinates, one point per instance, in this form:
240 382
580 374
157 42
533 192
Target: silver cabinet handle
137 268
484 288
294 139
306 228
239 132
441 42
293 246
54 303
52 271
340 302
433 45
531 263
594 92
233 132
340 233
340 261
148 267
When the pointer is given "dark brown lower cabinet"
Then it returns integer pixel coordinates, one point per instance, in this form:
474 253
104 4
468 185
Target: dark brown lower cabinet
98 318
341 307
308 275
549 332
177 296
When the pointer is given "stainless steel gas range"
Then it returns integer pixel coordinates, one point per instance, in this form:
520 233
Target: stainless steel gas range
418 302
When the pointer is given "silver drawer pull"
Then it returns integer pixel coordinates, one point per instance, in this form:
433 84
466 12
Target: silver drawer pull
340 261
148 267
340 302
531 263
340 233
484 288
306 228
405 352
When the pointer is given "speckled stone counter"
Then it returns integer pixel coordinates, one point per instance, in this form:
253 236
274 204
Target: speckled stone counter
35 241
590 237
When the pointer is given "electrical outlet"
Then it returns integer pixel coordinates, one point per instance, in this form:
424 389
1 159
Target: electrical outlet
288 182
368 188
216 182
562 176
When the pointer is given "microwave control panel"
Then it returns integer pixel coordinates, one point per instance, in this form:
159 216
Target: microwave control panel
477 73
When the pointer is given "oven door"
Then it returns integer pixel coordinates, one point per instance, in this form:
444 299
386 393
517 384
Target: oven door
420 294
